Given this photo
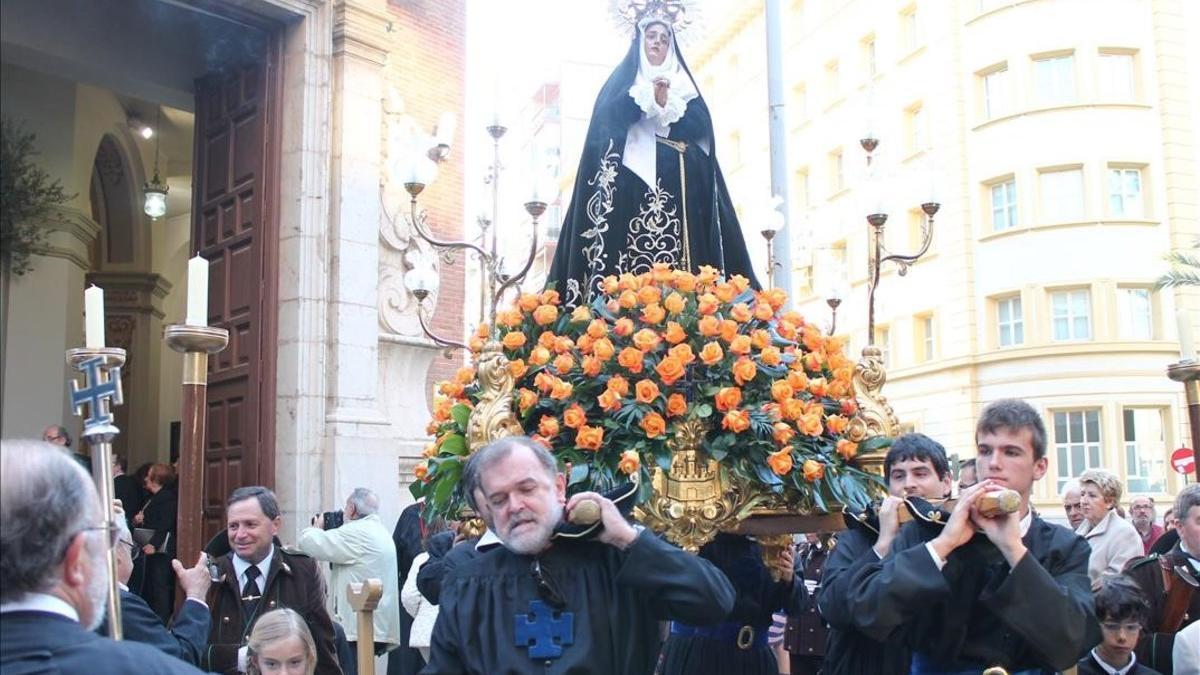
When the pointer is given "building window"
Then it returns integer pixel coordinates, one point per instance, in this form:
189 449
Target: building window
1054 80
910 29
995 93
837 175
1004 205
1076 443
1145 450
924 338
1116 77
883 340
1010 323
1125 193
800 100
917 138
870 64
833 84
1136 313
802 199
1071 314
1062 195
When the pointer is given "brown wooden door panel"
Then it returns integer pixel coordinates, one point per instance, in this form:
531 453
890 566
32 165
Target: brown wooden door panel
231 229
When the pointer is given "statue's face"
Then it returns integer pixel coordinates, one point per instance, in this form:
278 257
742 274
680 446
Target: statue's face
656 40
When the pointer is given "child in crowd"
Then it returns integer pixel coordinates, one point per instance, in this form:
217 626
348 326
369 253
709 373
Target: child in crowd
1122 611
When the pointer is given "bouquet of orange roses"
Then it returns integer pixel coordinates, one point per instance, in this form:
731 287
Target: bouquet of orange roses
603 385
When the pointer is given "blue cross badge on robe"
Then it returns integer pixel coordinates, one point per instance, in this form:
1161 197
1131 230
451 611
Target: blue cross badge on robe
96 393
544 630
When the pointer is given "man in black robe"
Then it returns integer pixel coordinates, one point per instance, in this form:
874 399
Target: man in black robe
915 466
648 189
407 537
1016 595
566 605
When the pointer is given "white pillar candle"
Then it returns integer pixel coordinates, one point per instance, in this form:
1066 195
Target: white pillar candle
197 297
93 317
1187 348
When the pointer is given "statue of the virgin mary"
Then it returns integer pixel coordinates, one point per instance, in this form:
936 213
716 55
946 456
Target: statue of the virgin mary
648 189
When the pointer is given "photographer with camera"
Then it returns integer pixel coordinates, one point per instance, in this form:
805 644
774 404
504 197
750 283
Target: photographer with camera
358 547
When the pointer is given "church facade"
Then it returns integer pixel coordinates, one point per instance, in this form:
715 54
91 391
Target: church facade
278 126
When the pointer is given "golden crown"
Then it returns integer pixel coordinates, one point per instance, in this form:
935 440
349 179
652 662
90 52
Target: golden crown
637 12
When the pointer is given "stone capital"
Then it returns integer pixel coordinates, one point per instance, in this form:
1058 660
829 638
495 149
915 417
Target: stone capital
360 30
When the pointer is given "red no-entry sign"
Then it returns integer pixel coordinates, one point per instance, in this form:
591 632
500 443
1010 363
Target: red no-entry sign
1183 461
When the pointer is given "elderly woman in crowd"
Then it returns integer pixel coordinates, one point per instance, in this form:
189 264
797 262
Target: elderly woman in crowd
1114 540
280 644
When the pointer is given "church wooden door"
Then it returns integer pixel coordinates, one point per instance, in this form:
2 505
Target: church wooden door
233 226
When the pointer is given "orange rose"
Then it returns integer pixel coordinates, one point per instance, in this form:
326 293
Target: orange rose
728 398
836 424
574 417
707 304
661 273
645 391
564 344
776 297
528 302
526 398
760 338
740 345
818 387
630 359
811 425
812 362
786 330
675 303
739 283
432 427
683 353
676 405
630 462
545 315
547 339
465 375
675 333
813 340
548 426
430 450
581 314
562 390
708 274
649 295
585 345
670 369
781 391
736 421
725 292
603 349
783 433
729 330
544 381
780 462
709 326
563 363
629 281
623 327
791 409
589 438
627 299
813 470
597 329
475 344
421 470
610 400
847 448
771 356
744 370
646 339
711 354
510 318
610 285
653 424
618 384
441 408
549 297
740 312
591 366
653 314
684 281
540 356
798 380
513 340
849 406
763 312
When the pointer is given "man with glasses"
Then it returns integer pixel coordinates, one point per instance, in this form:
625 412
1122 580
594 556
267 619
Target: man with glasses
1142 515
188 634
561 604
53 572
57 434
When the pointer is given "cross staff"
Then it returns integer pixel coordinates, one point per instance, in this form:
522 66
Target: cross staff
99 393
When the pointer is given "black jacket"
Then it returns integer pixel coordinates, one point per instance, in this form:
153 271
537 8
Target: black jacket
185 639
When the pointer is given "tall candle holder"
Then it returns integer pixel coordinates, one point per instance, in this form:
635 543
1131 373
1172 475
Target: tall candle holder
101 368
195 343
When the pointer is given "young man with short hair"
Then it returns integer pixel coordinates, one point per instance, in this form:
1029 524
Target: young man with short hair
1121 610
1010 590
915 466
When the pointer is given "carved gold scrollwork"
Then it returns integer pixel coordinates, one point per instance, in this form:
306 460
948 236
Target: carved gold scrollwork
694 501
493 416
875 415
